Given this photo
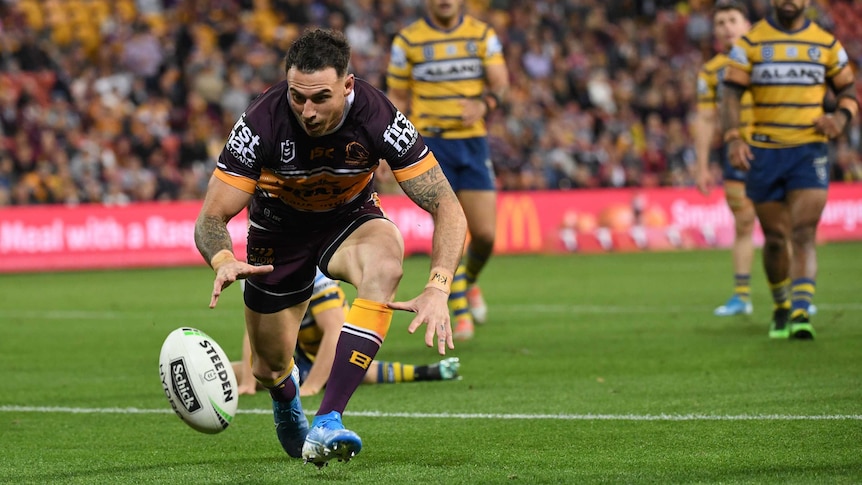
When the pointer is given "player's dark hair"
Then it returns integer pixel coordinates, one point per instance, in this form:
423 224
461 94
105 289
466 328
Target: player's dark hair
319 49
725 5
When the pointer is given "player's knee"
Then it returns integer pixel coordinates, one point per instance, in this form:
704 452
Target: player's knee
804 235
383 277
774 241
744 224
267 375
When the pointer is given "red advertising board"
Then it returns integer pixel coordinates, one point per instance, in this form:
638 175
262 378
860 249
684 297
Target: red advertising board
40 238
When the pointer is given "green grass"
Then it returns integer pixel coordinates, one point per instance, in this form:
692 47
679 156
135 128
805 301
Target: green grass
593 369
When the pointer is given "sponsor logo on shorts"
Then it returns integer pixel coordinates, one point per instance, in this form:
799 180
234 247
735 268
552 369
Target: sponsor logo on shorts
243 142
820 168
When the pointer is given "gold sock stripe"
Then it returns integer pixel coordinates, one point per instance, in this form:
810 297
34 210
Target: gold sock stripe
408 373
780 284
280 379
803 288
370 315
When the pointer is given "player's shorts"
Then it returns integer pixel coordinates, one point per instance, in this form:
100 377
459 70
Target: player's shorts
777 171
466 162
728 172
302 244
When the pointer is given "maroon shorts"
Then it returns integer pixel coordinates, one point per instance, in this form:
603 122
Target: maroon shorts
301 244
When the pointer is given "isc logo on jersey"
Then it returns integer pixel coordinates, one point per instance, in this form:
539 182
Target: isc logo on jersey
401 134
198 380
242 142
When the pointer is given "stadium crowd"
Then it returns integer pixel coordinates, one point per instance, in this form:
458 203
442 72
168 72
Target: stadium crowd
115 101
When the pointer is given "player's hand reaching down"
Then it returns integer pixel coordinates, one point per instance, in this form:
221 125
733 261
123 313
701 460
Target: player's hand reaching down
432 309
229 269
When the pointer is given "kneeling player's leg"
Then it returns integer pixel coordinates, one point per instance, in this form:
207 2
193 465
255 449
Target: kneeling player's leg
387 372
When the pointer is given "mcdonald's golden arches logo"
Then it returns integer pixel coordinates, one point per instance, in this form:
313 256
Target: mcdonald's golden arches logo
518 228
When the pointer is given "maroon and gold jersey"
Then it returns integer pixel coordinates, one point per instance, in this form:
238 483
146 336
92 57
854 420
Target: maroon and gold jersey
269 154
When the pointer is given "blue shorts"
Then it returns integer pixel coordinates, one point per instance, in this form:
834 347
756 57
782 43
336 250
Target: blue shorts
776 171
466 162
727 170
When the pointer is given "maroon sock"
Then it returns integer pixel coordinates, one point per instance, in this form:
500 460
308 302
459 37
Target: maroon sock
361 336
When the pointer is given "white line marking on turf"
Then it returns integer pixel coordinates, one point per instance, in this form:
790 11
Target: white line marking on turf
559 417
530 309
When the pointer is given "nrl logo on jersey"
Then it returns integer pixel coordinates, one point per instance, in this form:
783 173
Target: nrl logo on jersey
243 142
288 151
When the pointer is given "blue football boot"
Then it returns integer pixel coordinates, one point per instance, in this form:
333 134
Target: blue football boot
734 306
291 425
328 439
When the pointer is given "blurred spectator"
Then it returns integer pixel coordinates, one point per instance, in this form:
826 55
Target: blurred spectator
116 101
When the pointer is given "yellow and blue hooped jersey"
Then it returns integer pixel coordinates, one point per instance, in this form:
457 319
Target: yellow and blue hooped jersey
710 90
787 74
441 68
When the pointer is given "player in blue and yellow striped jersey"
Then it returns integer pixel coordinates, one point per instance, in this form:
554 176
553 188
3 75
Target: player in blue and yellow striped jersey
729 23
316 343
788 63
448 74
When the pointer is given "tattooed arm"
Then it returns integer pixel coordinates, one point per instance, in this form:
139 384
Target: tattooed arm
432 192
221 204
738 151
212 238
730 108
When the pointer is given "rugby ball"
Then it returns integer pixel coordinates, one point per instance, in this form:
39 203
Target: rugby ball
198 380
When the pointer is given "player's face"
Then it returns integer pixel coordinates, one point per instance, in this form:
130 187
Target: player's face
787 11
729 26
444 11
318 98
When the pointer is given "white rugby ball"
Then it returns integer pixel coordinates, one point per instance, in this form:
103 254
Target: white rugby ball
198 380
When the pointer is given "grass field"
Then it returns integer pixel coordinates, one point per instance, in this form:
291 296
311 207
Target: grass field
593 369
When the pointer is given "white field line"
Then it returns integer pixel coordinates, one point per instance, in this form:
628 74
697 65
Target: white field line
557 417
504 308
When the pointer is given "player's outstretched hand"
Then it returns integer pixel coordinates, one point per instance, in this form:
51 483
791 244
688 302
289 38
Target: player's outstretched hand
431 308
232 271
